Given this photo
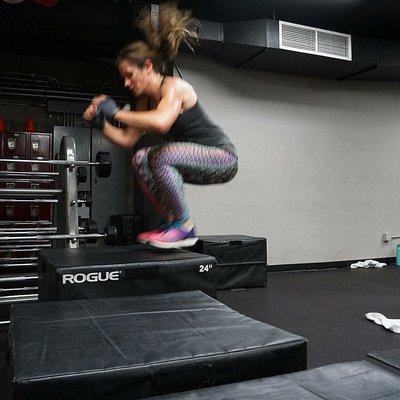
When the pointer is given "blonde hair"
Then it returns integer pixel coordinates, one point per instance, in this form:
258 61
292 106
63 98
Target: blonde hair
162 41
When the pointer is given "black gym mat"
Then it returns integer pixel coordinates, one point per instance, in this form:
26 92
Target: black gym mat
347 381
135 347
89 273
390 357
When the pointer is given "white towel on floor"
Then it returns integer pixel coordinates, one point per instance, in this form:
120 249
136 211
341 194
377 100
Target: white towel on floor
368 264
391 324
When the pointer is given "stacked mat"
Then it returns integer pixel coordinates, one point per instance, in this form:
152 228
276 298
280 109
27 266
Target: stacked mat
347 381
135 347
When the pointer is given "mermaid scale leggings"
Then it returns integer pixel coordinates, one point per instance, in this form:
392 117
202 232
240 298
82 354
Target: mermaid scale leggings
161 171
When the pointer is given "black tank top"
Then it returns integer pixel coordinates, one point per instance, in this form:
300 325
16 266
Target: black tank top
194 126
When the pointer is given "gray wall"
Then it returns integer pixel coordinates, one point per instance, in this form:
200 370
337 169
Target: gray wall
319 162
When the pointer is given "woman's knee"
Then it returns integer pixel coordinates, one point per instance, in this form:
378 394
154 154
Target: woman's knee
230 173
138 158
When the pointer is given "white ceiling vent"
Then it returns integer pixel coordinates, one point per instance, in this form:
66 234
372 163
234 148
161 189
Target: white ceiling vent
306 39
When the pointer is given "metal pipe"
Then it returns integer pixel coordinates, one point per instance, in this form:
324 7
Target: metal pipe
17 251
30 192
20 289
19 265
67 210
25 247
30 77
54 94
387 237
18 298
28 201
25 104
16 260
24 174
18 278
23 84
91 172
12 224
26 180
52 237
28 231
51 162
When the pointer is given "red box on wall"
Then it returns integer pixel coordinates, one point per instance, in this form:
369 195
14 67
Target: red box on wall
36 167
12 253
14 145
39 146
8 183
13 167
24 211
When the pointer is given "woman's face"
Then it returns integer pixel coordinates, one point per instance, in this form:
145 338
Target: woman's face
136 79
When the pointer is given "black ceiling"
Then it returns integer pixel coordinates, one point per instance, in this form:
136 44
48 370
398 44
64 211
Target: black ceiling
370 18
72 29
86 29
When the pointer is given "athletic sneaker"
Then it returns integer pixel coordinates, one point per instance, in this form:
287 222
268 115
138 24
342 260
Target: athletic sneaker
173 238
144 237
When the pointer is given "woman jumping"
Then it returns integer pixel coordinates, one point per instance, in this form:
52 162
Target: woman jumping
196 150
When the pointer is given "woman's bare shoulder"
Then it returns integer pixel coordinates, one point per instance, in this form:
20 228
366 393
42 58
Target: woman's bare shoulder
182 88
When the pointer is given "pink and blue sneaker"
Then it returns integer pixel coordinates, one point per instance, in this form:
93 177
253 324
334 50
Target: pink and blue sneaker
174 237
144 237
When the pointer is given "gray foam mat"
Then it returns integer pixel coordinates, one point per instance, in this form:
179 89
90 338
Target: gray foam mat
390 357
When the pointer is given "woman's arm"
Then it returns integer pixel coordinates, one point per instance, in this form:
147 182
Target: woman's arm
159 120
124 137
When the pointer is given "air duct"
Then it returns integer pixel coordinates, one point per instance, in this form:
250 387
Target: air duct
320 42
388 63
284 47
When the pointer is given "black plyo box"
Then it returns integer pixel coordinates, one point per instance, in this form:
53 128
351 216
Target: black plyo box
89 273
137 347
242 260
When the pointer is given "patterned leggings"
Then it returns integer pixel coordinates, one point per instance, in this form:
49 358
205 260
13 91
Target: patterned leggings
161 171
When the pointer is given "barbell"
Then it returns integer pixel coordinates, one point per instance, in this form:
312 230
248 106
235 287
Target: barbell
109 235
102 164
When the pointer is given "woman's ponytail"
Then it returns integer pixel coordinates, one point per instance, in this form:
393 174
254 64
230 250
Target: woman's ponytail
163 36
169 30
